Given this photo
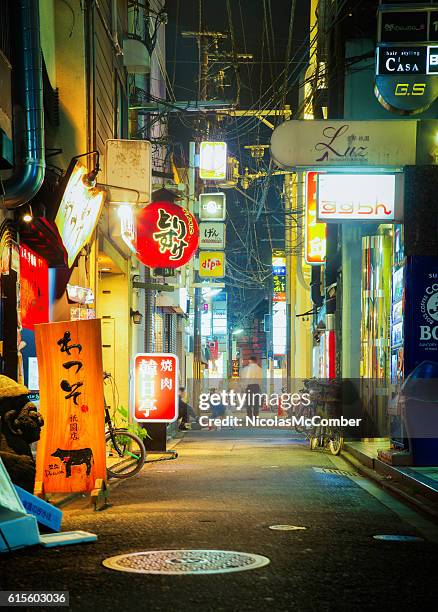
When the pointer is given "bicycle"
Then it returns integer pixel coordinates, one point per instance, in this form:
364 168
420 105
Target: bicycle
324 436
303 411
327 437
126 453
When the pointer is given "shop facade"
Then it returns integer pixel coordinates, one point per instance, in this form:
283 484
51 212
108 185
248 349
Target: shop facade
372 323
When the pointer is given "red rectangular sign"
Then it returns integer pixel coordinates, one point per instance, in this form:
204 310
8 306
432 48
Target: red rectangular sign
155 387
34 292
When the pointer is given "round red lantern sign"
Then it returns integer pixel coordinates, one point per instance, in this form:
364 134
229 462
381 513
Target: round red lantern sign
167 235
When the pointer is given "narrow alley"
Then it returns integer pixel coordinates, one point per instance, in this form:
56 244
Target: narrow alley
224 491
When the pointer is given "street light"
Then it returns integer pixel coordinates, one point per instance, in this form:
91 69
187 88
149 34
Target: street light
209 292
237 331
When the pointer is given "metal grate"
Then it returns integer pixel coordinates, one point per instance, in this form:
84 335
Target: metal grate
335 471
185 562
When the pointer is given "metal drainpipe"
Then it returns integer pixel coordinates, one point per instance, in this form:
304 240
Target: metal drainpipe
30 169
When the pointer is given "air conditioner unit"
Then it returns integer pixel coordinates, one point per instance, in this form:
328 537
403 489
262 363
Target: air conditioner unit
136 57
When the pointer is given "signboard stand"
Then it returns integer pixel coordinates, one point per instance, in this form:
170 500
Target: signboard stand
71 455
100 494
156 398
157 443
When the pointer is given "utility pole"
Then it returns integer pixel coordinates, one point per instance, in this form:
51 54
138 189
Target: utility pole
197 341
208 44
202 39
205 40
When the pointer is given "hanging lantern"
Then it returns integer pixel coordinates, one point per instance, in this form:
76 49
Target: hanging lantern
167 235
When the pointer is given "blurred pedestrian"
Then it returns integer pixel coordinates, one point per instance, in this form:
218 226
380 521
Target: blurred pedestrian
185 411
217 409
253 374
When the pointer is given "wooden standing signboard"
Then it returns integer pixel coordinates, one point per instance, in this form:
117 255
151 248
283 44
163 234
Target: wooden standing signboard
71 453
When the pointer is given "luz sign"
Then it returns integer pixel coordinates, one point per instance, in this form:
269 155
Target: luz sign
155 387
344 143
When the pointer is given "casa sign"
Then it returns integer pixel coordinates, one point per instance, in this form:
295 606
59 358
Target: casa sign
407 60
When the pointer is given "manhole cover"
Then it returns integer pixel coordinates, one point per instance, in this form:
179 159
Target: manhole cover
185 562
287 527
398 538
335 471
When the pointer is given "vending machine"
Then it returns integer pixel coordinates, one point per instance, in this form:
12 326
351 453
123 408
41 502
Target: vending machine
414 355
397 433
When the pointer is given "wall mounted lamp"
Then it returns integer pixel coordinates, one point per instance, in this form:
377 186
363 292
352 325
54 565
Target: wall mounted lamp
136 317
28 215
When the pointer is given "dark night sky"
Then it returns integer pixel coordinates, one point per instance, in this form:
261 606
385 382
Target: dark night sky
260 27
248 26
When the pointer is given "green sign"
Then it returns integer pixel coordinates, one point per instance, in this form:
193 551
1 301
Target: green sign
212 206
406 94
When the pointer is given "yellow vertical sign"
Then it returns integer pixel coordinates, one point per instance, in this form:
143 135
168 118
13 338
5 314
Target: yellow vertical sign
316 233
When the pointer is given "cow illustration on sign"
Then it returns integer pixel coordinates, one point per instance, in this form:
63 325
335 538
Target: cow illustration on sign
74 457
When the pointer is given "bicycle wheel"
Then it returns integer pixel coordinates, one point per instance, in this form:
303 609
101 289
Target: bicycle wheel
313 442
125 455
336 442
314 438
302 412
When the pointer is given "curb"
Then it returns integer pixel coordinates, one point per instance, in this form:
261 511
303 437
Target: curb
393 472
390 486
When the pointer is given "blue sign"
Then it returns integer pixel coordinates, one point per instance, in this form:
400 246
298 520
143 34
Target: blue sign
421 311
45 513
